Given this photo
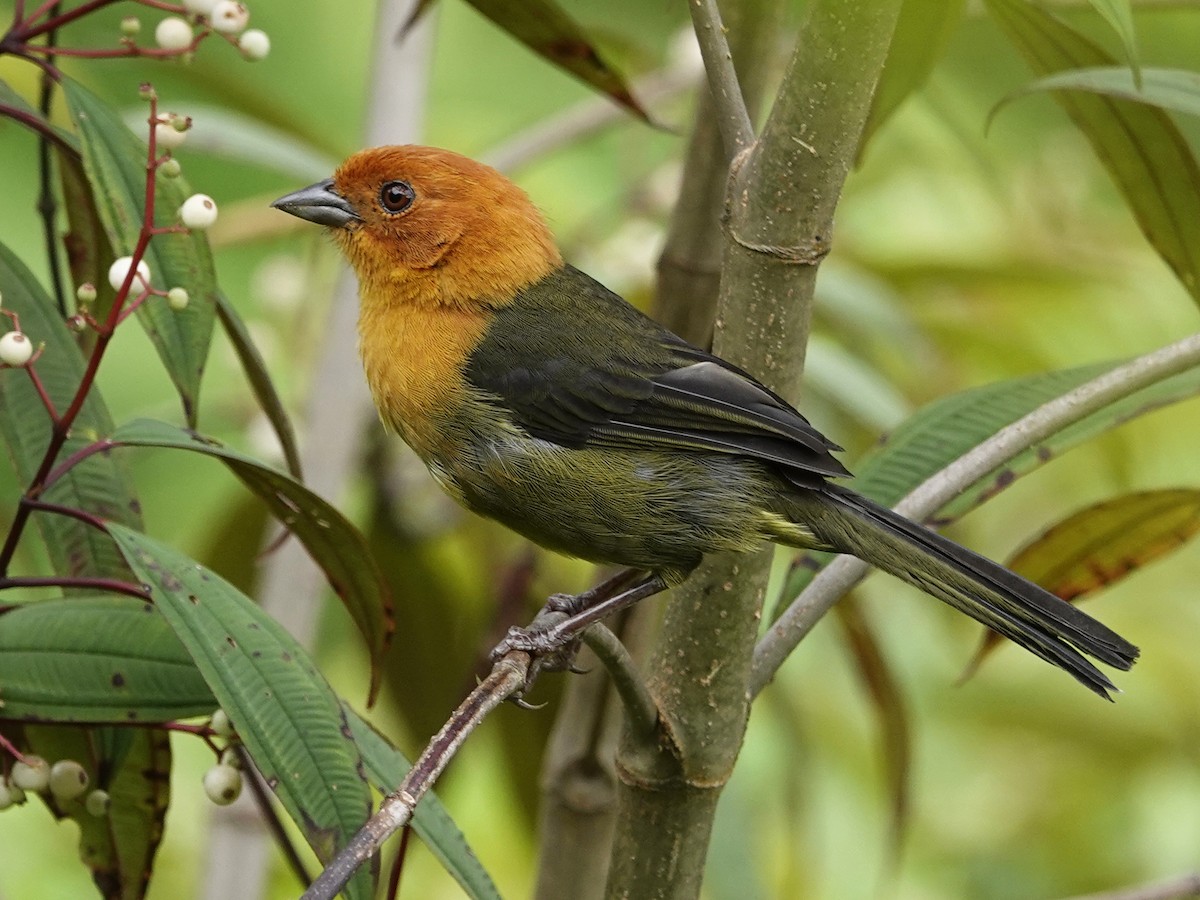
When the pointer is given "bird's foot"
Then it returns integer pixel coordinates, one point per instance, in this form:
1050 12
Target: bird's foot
550 648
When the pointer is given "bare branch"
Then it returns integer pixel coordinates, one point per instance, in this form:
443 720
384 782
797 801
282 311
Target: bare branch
639 703
736 128
507 677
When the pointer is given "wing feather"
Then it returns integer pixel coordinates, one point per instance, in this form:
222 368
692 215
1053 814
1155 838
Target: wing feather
636 386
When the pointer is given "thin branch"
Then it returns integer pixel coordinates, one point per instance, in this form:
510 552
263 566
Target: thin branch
112 585
736 129
62 428
40 387
263 800
1175 889
43 128
640 707
508 676
1048 419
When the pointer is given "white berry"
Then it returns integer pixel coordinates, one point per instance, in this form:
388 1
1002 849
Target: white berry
131 26
199 7
33 773
254 44
198 211
222 784
97 803
221 724
174 33
68 780
86 293
120 268
177 299
229 17
171 130
15 350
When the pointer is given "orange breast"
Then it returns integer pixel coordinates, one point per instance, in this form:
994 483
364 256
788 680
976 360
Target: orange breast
413 355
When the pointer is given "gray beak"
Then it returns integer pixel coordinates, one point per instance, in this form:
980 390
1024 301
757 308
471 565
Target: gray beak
319 203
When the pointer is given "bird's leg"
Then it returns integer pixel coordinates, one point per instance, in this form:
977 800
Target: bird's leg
553 637
574 603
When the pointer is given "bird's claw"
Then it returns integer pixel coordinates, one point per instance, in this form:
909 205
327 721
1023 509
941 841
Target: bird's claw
548 648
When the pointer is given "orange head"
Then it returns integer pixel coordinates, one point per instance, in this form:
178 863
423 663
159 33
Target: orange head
428 226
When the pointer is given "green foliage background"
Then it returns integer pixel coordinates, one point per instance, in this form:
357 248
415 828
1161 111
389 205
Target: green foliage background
960 258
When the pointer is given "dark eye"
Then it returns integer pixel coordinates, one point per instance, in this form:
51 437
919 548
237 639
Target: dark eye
396 196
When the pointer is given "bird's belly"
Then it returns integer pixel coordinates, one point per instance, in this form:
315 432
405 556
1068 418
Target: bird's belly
648 509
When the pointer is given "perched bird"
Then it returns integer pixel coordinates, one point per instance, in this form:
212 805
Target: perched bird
538 397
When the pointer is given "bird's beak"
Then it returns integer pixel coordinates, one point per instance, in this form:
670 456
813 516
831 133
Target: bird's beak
319 203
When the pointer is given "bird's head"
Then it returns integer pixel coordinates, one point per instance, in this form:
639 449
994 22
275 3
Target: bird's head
420 224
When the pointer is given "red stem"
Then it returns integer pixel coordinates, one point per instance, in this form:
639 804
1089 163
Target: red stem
27 30
41 390
112 585
34 123
62 428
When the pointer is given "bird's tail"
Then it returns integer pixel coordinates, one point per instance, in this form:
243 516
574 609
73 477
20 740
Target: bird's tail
991 594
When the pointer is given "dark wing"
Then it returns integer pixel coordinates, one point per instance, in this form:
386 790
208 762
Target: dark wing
578 365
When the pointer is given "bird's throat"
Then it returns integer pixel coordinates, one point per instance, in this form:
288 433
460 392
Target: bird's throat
413 356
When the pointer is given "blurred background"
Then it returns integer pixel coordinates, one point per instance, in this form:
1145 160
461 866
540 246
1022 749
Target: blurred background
962 255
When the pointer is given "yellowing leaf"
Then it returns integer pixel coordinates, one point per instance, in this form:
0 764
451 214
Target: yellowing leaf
1101 544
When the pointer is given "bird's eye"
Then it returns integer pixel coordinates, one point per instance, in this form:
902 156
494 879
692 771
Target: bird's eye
396 196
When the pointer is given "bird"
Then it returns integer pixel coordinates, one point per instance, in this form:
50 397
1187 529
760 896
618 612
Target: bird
539 398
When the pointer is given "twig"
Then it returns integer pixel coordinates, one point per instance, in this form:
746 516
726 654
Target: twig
111 585
43 128
1175 889
1048 419
61 429
507 677
639 703
263 800
736 128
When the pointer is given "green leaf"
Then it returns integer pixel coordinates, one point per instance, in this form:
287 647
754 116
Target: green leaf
96 659
1119 15
332 540
943 431
1139 145
100 485
255 368
386 766
289 719
88 252
1102 544
115 161
922 32
134 766
1173 89
546 29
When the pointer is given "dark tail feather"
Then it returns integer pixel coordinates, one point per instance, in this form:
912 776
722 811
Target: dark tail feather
991 594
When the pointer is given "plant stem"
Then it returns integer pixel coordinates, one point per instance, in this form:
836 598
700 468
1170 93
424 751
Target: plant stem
61 429
781 200
111 585
736 129
506 678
